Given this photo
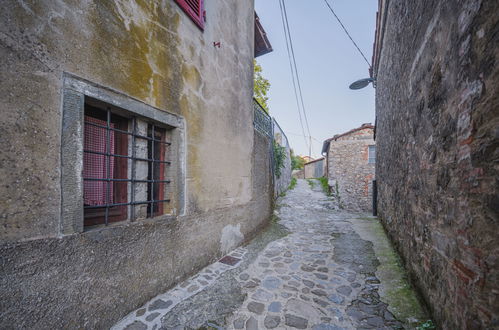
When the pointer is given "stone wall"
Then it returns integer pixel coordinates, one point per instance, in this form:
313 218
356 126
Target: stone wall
350 175
298 174
152 53
282 183
437 101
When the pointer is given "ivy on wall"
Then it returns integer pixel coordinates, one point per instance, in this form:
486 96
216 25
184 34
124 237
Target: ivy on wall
279 157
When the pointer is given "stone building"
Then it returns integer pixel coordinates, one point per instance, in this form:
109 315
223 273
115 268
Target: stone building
437 111
115 118
315 168
350 159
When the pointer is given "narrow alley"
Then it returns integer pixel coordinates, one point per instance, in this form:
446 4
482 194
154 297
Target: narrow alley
314 267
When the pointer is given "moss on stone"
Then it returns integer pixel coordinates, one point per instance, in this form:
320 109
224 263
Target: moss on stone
395 288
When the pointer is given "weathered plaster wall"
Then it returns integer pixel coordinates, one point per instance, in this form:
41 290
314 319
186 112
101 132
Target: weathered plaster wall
350 175
148 50
437 111
151 51
315 169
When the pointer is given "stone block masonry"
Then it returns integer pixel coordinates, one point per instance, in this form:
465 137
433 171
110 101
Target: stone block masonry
437 138
350 173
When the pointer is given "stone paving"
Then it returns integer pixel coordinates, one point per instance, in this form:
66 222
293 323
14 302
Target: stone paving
149 316
321 275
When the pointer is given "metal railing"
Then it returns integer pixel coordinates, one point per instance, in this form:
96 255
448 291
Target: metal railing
261 120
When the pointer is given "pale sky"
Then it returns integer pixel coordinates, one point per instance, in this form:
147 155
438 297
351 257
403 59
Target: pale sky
327 64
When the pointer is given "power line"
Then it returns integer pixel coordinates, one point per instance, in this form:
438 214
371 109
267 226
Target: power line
291 133
292 71
283 10
348 34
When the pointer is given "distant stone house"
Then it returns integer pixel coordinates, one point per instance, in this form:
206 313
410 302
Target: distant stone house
350 166
315 168
115 118
306 159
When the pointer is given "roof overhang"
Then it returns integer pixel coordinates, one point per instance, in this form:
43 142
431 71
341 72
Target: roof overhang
314 161
262 43
325 145
381 17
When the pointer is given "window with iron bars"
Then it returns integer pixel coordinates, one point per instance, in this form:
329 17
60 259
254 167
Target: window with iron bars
125 166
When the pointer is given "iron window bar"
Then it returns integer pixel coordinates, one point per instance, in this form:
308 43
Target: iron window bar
108 163
128 157
123 204
108 180
152 168
126 180
128 133
132 187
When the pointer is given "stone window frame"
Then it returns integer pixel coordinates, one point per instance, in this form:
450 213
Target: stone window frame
74 91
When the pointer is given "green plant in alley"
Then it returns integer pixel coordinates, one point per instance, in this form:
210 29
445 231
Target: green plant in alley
311 183
279 157
325 186
261 86
335 192
428 325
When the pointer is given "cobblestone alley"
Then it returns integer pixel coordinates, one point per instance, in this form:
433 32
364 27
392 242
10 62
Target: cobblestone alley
316 267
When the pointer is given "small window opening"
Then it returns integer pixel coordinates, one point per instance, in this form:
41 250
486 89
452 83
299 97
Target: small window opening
372 154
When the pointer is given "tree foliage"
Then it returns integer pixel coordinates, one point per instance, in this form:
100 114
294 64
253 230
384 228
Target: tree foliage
261 86
296 161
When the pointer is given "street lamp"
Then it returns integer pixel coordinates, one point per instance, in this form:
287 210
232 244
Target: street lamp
361 83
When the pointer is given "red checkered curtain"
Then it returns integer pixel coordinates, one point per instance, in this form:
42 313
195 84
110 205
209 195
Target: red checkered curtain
95 166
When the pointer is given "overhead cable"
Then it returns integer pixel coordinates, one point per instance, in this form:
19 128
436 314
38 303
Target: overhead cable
295 67
348 34
292 70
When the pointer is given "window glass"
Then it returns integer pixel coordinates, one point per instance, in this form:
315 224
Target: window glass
123 168
372 154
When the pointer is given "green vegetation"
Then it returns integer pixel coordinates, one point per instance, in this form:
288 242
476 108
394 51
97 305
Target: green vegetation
291 186
261 86
335 193
279 157
325 186
296 161
274 219
311 183
428 325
